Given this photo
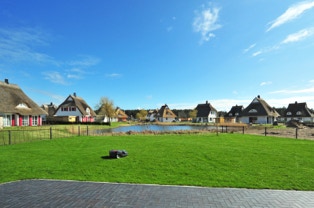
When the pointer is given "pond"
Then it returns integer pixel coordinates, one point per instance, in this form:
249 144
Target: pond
159 128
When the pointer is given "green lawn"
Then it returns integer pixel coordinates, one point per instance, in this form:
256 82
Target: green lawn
227 160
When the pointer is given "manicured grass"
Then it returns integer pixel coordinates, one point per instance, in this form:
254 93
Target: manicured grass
227 160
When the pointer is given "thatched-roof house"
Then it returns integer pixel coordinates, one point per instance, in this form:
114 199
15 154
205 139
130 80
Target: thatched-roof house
121 115
298 111
234 114
206 113
75 107
16 108
259 112
165 114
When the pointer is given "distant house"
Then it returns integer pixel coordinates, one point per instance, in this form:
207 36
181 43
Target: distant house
259 112
50 109
206 113
75 107
165 114
152 115
16 108
121 115
234 114
298 111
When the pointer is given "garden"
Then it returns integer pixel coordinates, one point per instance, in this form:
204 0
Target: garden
204 159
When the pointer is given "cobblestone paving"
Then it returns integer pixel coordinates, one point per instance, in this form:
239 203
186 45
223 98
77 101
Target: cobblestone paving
52 193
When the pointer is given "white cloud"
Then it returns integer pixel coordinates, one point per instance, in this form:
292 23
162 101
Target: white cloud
54 77
265 83
205 22
291 13
113 75
298 36
249 48
300 91
19 45
257 53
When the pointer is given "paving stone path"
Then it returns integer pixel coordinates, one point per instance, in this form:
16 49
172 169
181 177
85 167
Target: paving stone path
53 193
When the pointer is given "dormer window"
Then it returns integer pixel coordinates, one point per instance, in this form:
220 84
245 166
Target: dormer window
88 111
299 113
22 105
236 114
289 113
253 111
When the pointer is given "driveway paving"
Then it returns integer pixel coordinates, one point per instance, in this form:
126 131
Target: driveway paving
55 193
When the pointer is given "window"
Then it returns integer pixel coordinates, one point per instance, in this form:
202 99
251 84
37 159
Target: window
65 109
289 113
24 120
73 108
236 114
7 120
34 120
299 113
253 111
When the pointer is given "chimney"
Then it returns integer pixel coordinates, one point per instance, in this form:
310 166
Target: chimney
206 101
6 81
74 94
258 96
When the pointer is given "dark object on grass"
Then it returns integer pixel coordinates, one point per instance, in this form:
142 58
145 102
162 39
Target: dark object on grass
117 153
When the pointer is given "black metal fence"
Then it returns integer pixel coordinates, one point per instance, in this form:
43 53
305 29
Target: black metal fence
15 136
289 132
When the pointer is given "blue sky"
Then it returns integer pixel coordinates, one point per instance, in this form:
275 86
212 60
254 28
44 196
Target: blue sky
143 54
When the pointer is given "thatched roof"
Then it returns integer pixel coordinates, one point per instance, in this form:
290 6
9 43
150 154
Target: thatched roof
235 111
73 100
203 110
121 114
165 112
15 101
298 110
259 107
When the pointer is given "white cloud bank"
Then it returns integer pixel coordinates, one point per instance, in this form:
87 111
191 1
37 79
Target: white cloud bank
291 13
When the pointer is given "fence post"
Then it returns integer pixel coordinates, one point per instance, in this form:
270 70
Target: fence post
242 129
86 130
78 131
226 129
9 137
296 132
265 131
50 132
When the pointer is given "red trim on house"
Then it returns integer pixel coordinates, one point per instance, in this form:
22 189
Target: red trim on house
13 120
30 120
20 121
39 121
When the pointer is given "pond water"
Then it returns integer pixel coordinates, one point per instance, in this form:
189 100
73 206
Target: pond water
160 128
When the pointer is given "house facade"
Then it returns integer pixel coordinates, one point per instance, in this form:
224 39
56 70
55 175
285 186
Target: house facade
75 109
16 108
165 114
259 112
206 113
298 111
